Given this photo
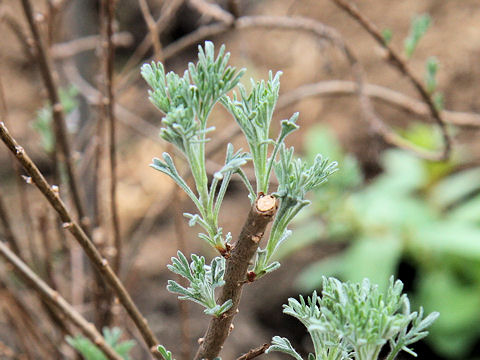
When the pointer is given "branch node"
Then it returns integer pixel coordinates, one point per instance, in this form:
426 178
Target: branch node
19 151
67 225
27 179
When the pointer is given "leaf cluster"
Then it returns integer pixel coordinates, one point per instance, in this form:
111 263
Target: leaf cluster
203 280
356 320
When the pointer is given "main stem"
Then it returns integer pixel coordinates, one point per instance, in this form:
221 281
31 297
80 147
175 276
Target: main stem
261 213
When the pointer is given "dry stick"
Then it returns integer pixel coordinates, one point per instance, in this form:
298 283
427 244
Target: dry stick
377 92
17 30
73 47
6 351
61 136
110 100
168 11
252 354
404 69
22 336
25 208
58 301
151 24
102 295
22 315
261 213
7 228
43 227
213 10
72 226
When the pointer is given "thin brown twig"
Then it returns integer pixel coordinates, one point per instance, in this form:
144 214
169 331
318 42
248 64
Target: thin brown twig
404 69
261 213
37 330
25 208
213 10
152 29
101 264
377 92
58 301
7 228
131 74
18 31
61 136
94 97
110 101
168 11
43 229
73 47
252 354
6 351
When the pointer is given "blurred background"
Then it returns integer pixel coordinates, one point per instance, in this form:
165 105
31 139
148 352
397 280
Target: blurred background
386 212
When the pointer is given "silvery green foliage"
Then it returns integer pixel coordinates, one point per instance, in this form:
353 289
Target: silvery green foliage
356 320
203 281
295 179
187 102
253 112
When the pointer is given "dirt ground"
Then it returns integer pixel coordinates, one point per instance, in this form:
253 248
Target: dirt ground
454 38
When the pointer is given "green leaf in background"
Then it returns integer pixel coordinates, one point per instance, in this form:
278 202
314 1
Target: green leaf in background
43 123
321 140
372 258
451 238
418 28
455 188
468 211
91 352
456 330
403 173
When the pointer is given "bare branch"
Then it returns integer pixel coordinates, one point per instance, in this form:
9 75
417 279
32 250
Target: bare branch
54 298
109 57
213 10
377 92
101 264
252 354
73 47
152 29
7 228
61 136
404 69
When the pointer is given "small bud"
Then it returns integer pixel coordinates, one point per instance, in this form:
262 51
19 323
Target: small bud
200 341
19 150
27 179
67 225
231 328
55 189
39 17
104 262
